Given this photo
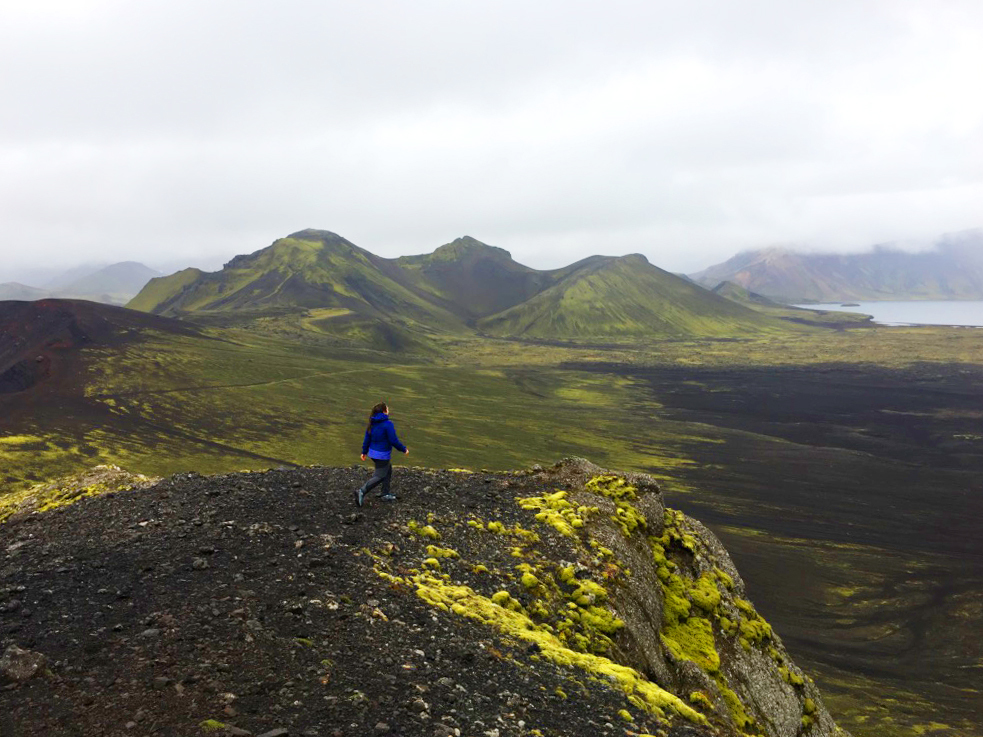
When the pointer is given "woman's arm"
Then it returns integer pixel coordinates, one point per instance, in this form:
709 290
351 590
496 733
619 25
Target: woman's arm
393 440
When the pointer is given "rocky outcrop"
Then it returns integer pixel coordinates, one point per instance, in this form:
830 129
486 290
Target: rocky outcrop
605 579
551 602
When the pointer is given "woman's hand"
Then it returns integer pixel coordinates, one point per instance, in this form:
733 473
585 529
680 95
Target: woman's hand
406 452
363 456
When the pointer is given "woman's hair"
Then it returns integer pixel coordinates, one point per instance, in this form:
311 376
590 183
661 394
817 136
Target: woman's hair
380 407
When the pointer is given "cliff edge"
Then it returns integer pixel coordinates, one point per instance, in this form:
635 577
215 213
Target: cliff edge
557 601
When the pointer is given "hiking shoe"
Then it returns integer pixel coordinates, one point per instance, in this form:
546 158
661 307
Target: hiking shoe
360 495
388 497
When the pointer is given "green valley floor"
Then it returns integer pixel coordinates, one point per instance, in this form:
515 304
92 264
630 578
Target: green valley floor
841 469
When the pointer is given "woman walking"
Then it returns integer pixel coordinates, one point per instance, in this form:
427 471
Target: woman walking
380 439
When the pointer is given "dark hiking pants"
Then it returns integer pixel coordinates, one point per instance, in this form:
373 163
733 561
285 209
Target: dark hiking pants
383 475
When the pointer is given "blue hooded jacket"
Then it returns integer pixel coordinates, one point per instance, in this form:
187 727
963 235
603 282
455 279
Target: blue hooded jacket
381 438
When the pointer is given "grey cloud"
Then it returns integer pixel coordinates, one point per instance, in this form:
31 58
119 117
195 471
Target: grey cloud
167 131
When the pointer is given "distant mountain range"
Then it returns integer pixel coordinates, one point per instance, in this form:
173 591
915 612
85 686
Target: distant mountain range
113 284
463 285
952 269
18 291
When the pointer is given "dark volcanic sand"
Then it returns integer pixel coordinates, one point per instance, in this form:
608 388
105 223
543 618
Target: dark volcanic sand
864 487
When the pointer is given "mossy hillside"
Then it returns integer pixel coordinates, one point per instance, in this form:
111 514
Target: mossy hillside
309 269
226 400
561 610
474 279
627 297
446 291
240 400
65 491
705 620
708 623
163 289
582 572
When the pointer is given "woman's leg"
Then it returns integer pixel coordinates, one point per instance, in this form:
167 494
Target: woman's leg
388 478
383 469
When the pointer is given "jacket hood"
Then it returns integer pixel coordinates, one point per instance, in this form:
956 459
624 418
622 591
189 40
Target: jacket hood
381 417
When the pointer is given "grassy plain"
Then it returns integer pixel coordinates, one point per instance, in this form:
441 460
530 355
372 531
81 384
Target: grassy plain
840 468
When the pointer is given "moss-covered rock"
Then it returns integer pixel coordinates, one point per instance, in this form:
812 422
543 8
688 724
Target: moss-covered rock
71 489
612 583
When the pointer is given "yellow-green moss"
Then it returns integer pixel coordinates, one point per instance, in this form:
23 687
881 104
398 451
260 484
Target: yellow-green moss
746 607
724 578
613 487
427 531
626 515
625 715
505 614
728 627
434 552
791 677
737 711
701 699
603 552
558 512
629 518
692 639
504 599
65 491
704 594
527 535
211 725
754 632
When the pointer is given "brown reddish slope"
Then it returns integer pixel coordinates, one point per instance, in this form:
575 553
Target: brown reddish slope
39 341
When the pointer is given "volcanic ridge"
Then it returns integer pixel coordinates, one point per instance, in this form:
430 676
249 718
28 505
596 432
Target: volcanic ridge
463 286
555 601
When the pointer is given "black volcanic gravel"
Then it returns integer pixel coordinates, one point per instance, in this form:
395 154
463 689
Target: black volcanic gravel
250 599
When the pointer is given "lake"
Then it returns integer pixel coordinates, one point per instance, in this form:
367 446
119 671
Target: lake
915 313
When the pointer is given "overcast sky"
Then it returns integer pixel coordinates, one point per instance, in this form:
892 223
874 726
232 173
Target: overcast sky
186 132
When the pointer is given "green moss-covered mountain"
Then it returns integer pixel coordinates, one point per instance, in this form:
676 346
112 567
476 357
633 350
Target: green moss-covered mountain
473 279
326 284
952 269
309 269
626 296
